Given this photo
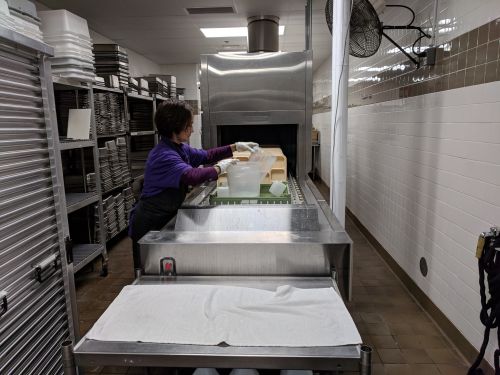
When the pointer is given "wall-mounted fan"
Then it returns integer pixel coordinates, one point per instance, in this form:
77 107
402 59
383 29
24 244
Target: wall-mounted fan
366 30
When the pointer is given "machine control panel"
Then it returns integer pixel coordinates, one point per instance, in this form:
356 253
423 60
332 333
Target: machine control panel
167 266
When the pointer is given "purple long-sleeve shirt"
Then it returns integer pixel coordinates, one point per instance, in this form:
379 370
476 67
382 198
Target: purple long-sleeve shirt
169 164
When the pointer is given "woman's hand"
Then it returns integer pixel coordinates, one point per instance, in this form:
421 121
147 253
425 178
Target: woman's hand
246 146
224 164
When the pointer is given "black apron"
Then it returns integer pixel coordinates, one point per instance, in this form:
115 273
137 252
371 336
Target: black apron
153 213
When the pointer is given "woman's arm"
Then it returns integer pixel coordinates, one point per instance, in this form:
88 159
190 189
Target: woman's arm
196 176
219 153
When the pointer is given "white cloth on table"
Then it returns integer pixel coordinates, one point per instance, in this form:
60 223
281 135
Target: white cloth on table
238 316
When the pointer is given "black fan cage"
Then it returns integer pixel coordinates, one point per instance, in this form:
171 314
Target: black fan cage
365 29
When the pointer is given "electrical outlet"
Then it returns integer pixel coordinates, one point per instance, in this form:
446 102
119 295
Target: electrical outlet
430 56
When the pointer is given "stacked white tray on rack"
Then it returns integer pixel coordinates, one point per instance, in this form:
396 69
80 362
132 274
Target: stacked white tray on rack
6 19
69 35
24 18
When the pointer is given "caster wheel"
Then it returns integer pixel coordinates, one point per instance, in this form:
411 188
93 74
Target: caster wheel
104 271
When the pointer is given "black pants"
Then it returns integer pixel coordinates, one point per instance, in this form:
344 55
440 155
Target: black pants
153 213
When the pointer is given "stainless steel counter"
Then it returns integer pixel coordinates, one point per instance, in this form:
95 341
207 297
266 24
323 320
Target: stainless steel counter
256 240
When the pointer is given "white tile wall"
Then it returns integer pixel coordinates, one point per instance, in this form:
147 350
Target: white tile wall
424 172
424 178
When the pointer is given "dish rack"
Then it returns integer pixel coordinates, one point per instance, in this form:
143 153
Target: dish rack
265 197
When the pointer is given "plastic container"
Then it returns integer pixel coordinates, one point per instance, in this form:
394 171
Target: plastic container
59 22
277 188
244 179
265 161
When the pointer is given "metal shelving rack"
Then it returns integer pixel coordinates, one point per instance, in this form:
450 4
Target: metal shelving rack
75 201
102 138
37 296
83 253
138 174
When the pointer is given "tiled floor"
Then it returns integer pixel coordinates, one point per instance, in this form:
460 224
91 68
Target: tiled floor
404 339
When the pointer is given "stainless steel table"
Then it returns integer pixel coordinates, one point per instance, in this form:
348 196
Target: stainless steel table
98 353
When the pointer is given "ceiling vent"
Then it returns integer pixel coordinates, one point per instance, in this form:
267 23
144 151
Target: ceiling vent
211 10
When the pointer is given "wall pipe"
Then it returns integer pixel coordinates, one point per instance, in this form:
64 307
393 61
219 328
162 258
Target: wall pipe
435 21
340 73
308 24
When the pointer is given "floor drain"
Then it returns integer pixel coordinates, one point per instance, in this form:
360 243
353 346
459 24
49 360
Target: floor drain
423 266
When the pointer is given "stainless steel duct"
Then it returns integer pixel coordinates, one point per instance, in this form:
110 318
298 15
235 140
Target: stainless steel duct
263 34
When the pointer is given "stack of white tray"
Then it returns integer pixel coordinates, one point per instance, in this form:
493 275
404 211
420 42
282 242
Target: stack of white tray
69 35
26 21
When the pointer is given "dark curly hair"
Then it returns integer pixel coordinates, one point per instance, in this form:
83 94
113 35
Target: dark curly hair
172 116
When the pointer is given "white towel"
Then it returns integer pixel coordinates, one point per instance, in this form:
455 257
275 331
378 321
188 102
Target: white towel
209 315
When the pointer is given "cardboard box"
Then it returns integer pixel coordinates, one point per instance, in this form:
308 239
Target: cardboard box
315 136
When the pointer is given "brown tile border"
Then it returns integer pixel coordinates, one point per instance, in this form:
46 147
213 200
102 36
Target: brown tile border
454 335
472 58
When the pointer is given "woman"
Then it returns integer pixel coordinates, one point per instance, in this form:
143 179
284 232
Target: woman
171 167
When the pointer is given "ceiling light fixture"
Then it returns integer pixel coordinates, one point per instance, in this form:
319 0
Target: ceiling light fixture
228 32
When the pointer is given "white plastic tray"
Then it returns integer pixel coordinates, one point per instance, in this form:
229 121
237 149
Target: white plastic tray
76 75
69 43
24 6
62 58
72 64
58 22
63 52
71 38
